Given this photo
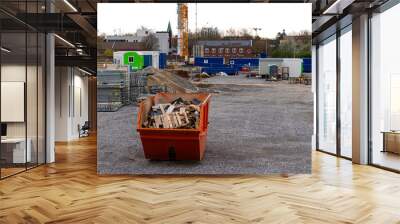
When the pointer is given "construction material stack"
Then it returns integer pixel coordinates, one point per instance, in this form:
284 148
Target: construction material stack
179 113
138 85
112 89
174 126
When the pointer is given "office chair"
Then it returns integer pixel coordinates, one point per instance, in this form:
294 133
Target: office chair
84 130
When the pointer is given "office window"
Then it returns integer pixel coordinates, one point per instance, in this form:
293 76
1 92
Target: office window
385 89
346 92
220 50
227 51
213 50
206 50
234 50
240 50
327 95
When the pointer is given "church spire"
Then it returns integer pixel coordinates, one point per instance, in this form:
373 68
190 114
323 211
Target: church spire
169 30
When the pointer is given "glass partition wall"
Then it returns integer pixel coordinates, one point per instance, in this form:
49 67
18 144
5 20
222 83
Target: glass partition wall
345 61
22 77
385 89
327 95
334 83
334 104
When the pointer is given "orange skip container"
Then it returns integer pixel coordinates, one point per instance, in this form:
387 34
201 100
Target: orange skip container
170 143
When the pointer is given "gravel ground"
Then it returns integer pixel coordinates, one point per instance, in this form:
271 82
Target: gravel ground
256 127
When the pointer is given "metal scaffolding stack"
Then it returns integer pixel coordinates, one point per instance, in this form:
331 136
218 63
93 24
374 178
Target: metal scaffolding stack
113 89
138 85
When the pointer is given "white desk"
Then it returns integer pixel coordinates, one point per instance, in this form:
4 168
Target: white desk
19 154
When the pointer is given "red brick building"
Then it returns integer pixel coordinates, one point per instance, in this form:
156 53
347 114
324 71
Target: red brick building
224 48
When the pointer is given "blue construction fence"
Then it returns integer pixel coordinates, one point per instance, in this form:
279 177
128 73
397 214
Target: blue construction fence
307 65
212 65
163 60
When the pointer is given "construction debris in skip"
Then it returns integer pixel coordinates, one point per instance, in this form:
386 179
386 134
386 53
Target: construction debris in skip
182 114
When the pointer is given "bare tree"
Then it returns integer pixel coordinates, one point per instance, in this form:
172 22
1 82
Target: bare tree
150 42
231 32
209 33
245 33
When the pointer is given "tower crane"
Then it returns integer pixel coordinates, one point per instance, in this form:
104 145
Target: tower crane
183 31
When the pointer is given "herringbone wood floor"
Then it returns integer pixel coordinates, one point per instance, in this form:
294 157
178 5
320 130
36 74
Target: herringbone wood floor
70 191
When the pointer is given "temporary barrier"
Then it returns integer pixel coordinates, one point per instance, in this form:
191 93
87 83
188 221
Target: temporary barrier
170 143
307 65
163 60
251 62
206 61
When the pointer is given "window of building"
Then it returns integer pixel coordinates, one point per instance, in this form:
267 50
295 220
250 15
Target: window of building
213 50
234 50
327 95
335 106
206 50
227 50
240 50
346 93
385 89
220 50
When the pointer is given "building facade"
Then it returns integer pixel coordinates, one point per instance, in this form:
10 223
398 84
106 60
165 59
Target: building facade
224 48
137 38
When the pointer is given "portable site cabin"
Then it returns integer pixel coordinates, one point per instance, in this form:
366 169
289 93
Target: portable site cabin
294 65
266 63
137 60
151 58
129 58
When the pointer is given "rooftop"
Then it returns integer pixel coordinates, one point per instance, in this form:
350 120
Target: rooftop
239 43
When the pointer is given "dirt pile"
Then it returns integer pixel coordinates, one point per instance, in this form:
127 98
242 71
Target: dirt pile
173 82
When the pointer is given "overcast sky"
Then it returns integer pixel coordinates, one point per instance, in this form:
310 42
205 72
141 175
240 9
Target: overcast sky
271 18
